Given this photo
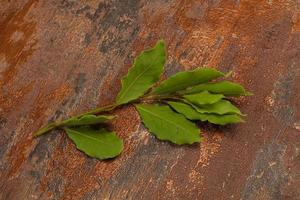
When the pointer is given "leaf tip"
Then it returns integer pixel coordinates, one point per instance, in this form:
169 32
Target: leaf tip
110 117
36 134
161 42
228 74
201 139
248 93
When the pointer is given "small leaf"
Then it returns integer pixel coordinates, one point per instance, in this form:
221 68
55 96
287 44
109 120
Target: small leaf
221 107
203 98
168 125
223 119
182 80
87 120
223 87
190 113
99 144
145 71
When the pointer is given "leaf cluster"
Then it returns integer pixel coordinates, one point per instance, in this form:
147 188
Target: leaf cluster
169 109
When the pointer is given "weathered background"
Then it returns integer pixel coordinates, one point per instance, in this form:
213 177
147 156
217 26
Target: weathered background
61 57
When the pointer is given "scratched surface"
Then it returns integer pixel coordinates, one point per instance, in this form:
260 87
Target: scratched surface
62 57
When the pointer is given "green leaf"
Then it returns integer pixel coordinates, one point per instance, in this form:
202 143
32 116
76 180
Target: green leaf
87 120
99 144
223 87
168 125
221 107
223 119
182 80
203 98
145 71
190 113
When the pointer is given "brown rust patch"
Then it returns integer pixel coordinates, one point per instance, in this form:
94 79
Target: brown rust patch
66 163
13 100
208 148
15 34
296 23
23 144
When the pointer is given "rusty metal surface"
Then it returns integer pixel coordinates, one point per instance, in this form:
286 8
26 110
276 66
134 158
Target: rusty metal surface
62 57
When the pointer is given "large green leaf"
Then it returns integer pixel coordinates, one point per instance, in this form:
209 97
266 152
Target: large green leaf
203 98
221 107
88 120
145 71
190 113
186 79
99 144
168 125
223 87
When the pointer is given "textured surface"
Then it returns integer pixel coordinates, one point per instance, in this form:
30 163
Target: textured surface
61 57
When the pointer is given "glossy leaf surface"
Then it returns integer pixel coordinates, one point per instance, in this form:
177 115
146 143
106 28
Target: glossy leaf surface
88 120
223 119
190 113
185 79
203 98
227 88
145 71
100 144
165 124
221 107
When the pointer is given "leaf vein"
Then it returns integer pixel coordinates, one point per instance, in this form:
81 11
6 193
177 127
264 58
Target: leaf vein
176 125
84 135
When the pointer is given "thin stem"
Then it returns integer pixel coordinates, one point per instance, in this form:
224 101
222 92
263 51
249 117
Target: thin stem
60 124
98 110
110 107
45 129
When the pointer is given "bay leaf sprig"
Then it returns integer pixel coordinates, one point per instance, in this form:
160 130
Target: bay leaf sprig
169 109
